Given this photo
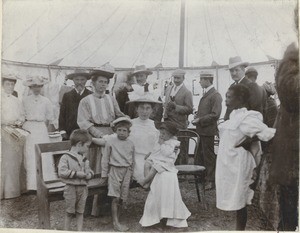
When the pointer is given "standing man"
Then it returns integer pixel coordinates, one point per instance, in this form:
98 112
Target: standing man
237 71
140 90
70 102
209 111
179 101
261 94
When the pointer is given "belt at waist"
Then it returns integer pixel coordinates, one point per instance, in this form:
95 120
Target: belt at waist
34 120
101 125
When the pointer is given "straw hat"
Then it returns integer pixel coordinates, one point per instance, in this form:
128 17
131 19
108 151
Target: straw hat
121 119
78 72
178 72
141 69
206 75
146 99
10 77
236 61
35 81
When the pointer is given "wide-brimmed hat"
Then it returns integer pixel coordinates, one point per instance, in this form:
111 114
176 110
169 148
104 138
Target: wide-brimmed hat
179 72
121 119
236 61
106 70
78 72
146 99
251 70
269 87
35 81
11 77
171 127
141 69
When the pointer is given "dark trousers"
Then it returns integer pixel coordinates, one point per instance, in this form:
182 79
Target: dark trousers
207 157
288 207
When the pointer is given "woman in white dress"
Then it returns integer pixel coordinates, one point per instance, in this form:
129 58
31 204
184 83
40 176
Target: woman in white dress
236 158
12 116
38 112
143 134
164 199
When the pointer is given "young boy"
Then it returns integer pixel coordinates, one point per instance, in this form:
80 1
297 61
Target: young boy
117 166
164 153
74 170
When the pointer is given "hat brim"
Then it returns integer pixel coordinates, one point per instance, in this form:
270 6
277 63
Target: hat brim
71 76
102 73
121 119
147 72
9 79
144 101
233 65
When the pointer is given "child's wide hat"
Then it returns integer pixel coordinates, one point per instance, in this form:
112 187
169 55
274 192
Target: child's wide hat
171 127
121 119
141 70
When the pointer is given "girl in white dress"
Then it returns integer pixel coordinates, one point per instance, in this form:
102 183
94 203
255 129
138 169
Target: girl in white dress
236 159
38 112
164 153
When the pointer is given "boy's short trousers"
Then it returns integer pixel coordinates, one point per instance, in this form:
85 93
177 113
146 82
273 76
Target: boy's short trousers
75 196
119 181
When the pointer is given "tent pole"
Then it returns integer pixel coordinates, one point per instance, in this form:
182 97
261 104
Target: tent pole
182 30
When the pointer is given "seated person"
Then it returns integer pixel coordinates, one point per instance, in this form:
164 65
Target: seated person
164 154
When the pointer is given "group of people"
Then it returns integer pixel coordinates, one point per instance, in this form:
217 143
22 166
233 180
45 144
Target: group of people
132 136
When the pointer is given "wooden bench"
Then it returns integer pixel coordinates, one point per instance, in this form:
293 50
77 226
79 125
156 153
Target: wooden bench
52 190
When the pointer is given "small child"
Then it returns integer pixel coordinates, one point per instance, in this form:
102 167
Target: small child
117 167
74 170
164 154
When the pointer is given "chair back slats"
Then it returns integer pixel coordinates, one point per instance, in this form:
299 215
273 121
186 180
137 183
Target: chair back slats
185 137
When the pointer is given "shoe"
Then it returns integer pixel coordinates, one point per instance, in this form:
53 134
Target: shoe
210 186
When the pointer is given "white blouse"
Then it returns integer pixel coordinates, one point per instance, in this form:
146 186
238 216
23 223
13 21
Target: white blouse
12 109
38 108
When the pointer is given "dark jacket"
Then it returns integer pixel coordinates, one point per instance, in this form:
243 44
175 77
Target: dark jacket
68 110
209 111
258 97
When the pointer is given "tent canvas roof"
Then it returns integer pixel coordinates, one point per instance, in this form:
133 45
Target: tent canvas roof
133 32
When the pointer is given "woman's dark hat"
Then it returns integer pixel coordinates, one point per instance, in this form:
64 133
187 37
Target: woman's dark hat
169 126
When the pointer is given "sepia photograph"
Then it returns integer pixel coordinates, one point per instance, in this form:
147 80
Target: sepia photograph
149 115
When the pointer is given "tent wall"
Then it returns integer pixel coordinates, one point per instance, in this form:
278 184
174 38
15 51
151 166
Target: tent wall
160 76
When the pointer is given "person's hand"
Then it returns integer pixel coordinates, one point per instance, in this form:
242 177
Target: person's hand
171 106
88 176
103 181
64 136
80 175
195 121
95 132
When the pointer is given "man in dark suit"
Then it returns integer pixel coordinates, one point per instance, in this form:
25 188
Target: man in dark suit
237 71
209 111
179 101
261 94
70 102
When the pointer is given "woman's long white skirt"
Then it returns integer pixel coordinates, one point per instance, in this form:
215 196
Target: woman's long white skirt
164 201
38 134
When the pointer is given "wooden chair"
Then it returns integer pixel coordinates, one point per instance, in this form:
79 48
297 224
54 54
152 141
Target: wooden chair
197 171
52 190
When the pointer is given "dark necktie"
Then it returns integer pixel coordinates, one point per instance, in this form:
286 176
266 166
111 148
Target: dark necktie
146 87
